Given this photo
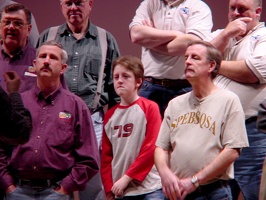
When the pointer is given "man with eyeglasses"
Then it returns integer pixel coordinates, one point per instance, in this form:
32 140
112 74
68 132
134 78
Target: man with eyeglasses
15 52
34 33
81 39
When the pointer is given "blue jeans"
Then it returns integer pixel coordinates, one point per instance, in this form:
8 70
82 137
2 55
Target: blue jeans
156 195
160 94
27 193
219 190
94 188
248 167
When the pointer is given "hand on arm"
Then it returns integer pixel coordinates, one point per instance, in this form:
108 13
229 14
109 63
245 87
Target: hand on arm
186 187
233 29
120 185
12 81
170 181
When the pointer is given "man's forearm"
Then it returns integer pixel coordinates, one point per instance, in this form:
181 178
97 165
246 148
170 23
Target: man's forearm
238 71
220 41
178 46
150 37
219 165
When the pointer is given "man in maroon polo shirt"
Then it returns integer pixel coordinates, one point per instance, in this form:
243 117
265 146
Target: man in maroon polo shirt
15 52
61 155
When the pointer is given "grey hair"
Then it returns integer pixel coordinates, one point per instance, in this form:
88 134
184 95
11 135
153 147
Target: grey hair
64 55
213 55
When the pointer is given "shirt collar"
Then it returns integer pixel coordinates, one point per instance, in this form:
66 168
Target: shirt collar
173 3
65 30
50 99
17 56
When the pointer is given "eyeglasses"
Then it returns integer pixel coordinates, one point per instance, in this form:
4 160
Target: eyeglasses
16 23
68 4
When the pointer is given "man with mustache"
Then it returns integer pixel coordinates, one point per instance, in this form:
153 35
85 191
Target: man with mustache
61 154
202 133
15 52
243 71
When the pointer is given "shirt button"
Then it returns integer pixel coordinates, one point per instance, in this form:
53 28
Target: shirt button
74 79
76 53
34 167
36 151
75 66
43 108
38 137
41 122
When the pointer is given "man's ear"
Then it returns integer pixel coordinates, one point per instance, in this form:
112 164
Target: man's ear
258 11
63 69
212 66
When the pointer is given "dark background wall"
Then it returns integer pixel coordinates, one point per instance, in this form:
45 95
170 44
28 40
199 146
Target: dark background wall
115 16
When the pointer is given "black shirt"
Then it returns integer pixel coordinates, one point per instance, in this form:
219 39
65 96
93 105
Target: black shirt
15 119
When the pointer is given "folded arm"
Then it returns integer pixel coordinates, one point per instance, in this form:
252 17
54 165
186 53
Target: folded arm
150 37
238 71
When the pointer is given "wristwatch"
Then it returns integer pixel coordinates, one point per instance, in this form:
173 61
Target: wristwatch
194 180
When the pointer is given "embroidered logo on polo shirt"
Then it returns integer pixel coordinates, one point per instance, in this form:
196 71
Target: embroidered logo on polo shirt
64 115
31 69
30 72
184 11
255 37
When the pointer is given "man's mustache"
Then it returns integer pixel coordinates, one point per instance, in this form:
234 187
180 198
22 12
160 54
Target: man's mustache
47 67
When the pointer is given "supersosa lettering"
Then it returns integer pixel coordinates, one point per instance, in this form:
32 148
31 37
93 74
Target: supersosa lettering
199 118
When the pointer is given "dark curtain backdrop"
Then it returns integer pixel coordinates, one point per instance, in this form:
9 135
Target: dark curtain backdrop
115 16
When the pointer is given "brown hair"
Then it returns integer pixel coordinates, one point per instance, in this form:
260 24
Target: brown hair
16 7
131 63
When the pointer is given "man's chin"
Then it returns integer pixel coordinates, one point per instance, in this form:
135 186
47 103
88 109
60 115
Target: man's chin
45 74
11 40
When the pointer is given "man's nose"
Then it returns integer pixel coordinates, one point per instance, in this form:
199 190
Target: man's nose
47 59
187 60
236 12
73 6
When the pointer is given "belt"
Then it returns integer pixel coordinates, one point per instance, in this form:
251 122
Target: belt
207 189
251 119
214 185
36 184
181 83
